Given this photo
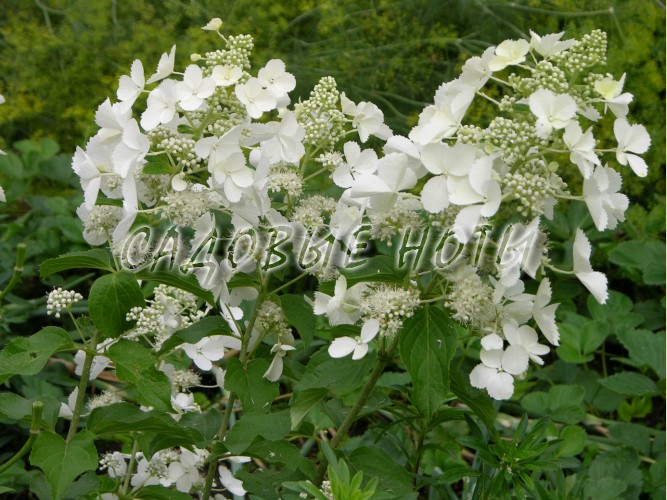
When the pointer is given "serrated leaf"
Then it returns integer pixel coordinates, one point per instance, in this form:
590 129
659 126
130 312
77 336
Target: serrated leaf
646 348
255 392
563 403
630 384
202 426
477 400
206 327
126 417
304 401
136 365
380 268
337 375
111 298
427 344
270 426
27 356
281 452
15 407
186 282
648 256
374 462
156 492
62 462
90 259
300 315
574 441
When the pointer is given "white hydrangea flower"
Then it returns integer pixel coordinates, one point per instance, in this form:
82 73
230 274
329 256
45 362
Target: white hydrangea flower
632 139
194 89
382 189
226 76
446 163
276 80
130 87
255 97
489 375
367 118
544 313
553 111
344 306
509 53
582 148
210 349
606 205
523 346
358 347
549 45
595 281
165 66
610 90
357 162
161 105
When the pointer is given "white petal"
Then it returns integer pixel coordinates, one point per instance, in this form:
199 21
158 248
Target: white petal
501 386
342 347
370 330
515 360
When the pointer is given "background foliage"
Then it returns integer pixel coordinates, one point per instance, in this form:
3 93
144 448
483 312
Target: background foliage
605 391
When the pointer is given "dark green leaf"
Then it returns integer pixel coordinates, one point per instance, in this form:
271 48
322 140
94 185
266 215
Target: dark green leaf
136 365
111 298
90 259
574 441
477 400
338 375
156 492
648 256
304 401
187 282
270 426
427 344
374 462
645 348
255 392
300 315
281 452
15 407
202 426
630 384
121 418
27 356
62 462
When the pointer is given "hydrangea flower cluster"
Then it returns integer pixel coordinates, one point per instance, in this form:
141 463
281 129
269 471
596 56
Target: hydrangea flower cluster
221 141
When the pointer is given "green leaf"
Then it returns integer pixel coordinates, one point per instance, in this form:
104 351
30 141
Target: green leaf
281 452
632 435
380 268
122 418
111 298
255 392
156 168
478 401
15 407
338 375
374 462
206 327
136 365
62 462
300 315
270 426
648 256
203 426
427 344
563 403
645 348
574 441
90 259
186 282
156 492
304 401
630 384
27 356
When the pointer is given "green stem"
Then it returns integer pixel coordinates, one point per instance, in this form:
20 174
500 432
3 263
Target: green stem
91 352
210 475
282 287
18 270
382 361
419 449
37 407
130 467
